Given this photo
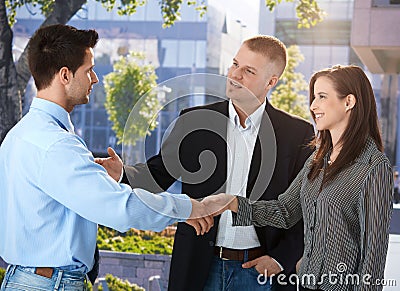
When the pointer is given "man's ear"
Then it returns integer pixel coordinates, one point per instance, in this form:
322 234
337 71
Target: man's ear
64 75
272 82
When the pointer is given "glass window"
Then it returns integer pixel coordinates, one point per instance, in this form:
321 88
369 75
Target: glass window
100 117
201 54
340 55
188 13
329 32
186 53
306 67
383 3
171 53
99 140
322 57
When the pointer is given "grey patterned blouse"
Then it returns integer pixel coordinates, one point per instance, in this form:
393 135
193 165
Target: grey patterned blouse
346 224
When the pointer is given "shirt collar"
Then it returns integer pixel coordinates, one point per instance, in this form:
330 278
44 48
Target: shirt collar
253 121
55 110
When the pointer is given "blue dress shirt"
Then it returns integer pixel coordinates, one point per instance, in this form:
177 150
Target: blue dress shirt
53 195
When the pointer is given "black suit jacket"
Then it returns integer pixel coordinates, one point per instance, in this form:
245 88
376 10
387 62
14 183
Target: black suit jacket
196 152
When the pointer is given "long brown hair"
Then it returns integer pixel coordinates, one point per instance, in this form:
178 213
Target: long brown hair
363 121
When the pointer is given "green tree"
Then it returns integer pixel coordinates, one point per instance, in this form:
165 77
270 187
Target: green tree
287 94
130 80
15 74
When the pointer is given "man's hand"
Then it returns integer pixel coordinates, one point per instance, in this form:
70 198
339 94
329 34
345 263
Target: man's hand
264 265
202 212
112 164
199 218
216 204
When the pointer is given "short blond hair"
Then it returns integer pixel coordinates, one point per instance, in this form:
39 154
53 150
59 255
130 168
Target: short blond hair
271 48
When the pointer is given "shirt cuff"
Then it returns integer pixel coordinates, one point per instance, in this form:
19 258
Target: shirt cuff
245 213
183 206
122 175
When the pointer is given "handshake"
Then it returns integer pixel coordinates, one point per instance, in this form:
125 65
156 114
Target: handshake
203 212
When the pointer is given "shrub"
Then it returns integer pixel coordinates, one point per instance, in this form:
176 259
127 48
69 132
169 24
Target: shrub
116 284
134 241
2 274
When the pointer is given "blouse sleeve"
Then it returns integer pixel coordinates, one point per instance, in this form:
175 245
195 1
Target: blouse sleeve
375 214
283 212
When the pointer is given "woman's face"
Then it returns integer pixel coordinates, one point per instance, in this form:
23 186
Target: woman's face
329 110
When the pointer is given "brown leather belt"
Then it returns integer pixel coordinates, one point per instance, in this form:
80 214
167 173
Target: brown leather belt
238 255
44 272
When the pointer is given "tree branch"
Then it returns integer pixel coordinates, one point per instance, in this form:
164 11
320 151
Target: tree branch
10 105
62 12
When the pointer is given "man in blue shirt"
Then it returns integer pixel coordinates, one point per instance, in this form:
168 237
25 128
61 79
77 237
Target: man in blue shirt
52 192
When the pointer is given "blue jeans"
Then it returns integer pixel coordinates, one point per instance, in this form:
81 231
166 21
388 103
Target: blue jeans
228 275
20 278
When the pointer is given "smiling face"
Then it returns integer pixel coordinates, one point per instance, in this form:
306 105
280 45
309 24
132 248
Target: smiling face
249 74
330 112
80 85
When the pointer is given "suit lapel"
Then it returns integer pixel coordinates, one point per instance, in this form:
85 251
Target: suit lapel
221 149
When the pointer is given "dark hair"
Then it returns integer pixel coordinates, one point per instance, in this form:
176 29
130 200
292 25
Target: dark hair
363 121
270 47
56 46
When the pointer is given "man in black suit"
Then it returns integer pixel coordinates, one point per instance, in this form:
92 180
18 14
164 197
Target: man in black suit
243 146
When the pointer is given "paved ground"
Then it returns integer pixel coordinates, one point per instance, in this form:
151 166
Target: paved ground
392 271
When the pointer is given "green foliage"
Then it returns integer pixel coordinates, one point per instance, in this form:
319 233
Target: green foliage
46 6
287 95
134 241
116 284
170 9
126 7
2 274
130 80
307 11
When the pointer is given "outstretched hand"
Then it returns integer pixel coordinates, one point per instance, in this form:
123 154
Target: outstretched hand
113 164
203 212
216 204
200 218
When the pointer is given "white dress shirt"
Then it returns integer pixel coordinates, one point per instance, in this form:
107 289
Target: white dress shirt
240 146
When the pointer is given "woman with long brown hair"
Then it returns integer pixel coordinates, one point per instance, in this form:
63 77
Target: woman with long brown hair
343 193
